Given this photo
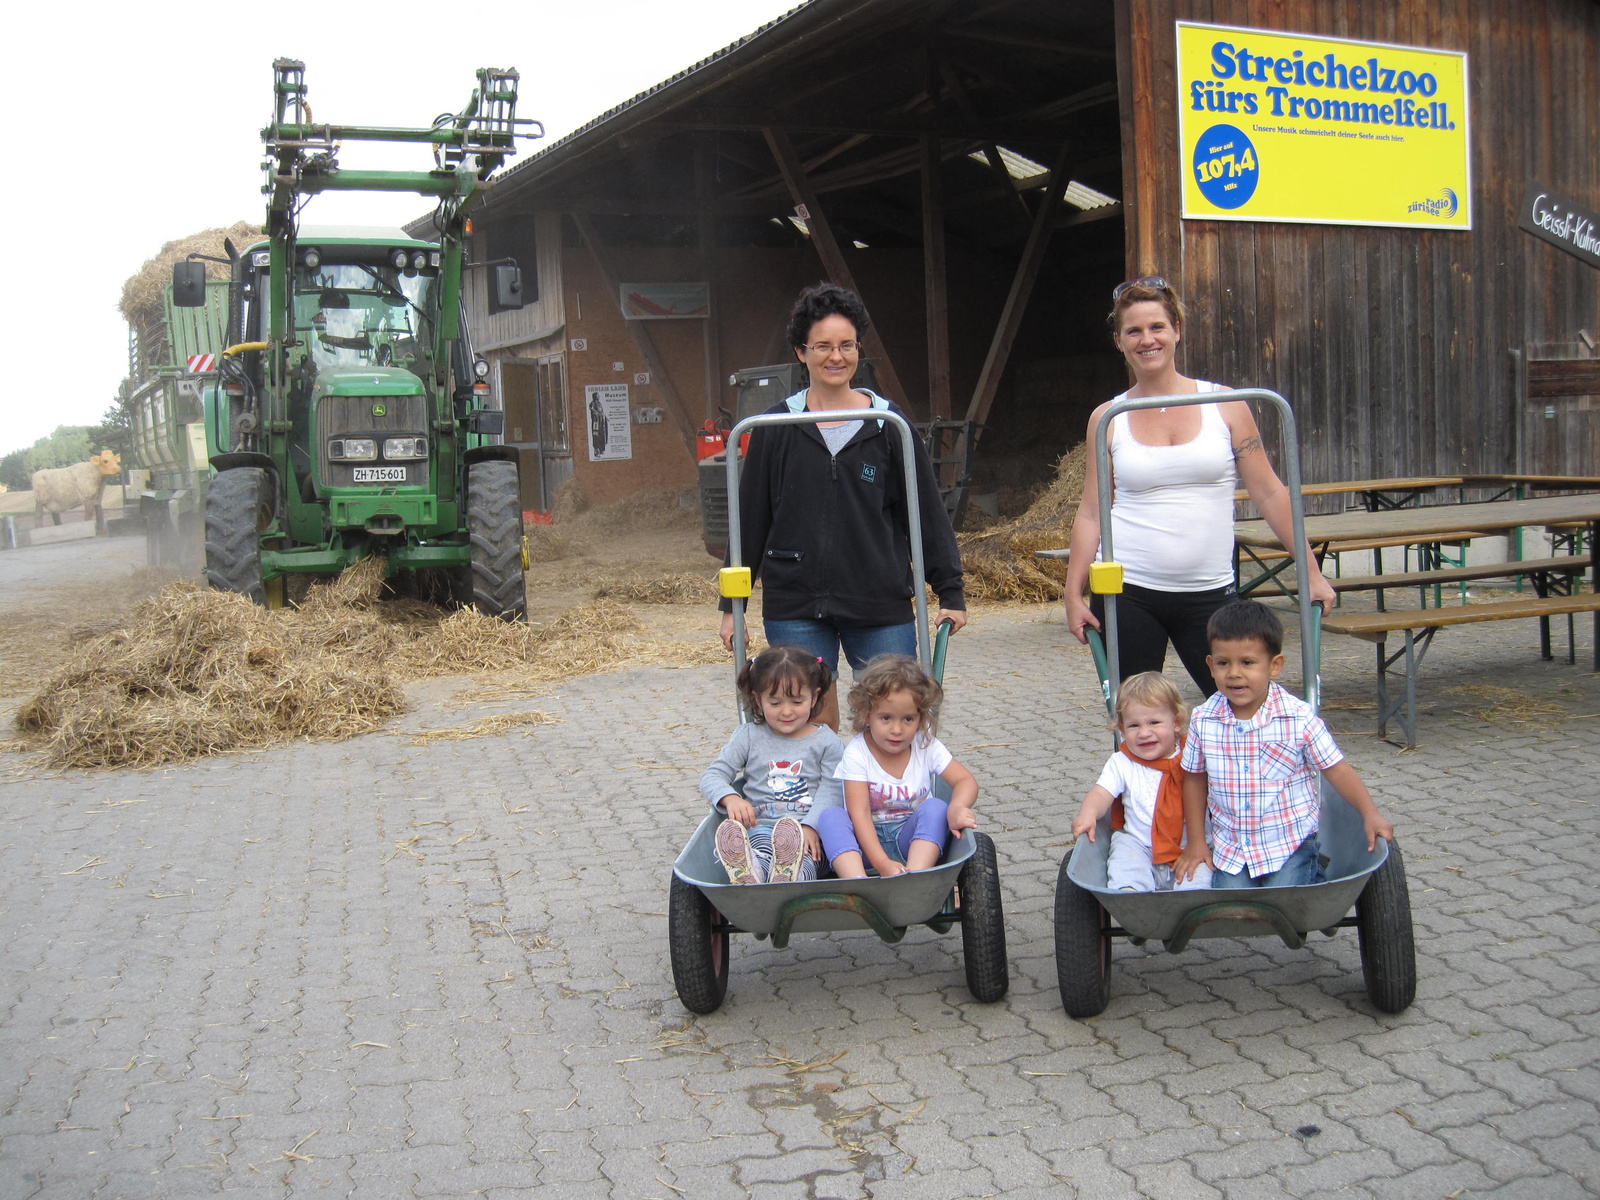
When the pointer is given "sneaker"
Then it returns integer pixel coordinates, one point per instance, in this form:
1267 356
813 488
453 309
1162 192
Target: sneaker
733 852
788 851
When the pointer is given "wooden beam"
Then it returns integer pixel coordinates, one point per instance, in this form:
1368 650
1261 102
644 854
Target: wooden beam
934 280
833 261
1002 129
1067 49
1005 334
640 332
705 184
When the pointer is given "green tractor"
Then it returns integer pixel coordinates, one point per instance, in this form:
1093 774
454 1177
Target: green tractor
351 415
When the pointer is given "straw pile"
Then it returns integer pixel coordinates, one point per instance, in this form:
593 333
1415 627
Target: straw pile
546 543
192 672
142 293
999 562
642 512
676 587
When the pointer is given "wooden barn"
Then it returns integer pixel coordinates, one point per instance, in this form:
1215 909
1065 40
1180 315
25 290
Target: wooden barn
984 173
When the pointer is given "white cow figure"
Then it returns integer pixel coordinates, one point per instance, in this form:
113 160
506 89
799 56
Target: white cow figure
57 489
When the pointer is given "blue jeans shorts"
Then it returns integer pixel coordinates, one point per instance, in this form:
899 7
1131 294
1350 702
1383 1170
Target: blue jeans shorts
1304 866
861 643
930 823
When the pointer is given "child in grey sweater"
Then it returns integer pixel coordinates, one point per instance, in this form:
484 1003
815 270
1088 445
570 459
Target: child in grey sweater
776 772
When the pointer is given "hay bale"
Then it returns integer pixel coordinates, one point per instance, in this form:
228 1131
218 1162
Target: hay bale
998 560
142 293
569 502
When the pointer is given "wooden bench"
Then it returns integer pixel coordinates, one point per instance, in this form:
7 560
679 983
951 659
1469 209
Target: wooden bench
1419 626
1428 553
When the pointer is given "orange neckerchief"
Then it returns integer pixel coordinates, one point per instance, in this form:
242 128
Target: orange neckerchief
1166 828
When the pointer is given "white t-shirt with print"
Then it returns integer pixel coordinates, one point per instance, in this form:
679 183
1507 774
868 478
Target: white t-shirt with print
892 798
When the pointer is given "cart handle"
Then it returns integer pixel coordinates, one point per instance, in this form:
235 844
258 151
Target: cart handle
941 645
1310 640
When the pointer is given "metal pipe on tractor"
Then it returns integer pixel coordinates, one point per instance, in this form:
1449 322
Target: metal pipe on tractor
352 416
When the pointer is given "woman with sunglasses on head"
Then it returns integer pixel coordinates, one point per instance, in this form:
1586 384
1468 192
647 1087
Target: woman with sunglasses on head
823 514
1174 473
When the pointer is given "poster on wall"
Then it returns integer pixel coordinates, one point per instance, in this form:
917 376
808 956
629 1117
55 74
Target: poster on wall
610 434
1291 127
665 301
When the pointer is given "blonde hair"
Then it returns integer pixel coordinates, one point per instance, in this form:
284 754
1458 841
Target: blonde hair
885 675
1154 690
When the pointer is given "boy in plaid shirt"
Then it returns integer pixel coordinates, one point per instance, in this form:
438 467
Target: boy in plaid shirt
1252 759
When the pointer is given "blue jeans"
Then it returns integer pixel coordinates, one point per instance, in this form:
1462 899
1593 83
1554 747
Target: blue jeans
930 823
1304 866
861 642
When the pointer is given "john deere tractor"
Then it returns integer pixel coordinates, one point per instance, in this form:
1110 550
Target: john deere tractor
351 414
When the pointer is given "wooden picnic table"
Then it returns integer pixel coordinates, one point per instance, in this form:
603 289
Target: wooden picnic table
1379 494
1428 524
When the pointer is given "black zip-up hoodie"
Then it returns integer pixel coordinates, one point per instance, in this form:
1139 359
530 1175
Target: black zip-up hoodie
827 534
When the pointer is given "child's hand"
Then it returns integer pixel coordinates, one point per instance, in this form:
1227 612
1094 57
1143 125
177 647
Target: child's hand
813 843
1191 857
891 868
961 818
740 810
1084 823
1376 826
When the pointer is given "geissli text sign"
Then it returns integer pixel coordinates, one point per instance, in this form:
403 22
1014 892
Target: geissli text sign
1291 127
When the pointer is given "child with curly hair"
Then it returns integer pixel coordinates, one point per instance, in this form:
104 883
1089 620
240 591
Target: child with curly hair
891 820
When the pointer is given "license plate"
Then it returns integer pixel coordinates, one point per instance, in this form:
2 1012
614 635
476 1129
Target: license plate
379 474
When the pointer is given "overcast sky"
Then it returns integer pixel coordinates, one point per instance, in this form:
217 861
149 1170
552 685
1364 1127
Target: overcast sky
137 124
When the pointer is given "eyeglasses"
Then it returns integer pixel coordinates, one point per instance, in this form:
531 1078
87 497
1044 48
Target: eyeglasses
826 349
1147 281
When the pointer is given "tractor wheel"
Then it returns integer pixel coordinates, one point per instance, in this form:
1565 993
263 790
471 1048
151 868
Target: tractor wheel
494 522
699 949
983 924
1383 925
1083 949
239 505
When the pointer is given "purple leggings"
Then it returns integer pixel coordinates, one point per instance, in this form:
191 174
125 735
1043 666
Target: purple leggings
930 823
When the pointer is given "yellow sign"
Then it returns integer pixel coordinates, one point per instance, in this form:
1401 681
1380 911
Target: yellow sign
1290 127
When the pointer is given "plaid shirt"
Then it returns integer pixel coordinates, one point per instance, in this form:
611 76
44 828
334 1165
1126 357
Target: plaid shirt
1263 796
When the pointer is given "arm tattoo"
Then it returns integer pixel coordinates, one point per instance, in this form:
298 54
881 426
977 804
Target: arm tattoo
1249 446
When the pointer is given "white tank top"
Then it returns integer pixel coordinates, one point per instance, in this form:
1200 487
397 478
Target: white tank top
1172 513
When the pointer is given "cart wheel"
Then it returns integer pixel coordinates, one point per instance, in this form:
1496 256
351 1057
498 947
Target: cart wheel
1383 925
699 949
983 924
1083 948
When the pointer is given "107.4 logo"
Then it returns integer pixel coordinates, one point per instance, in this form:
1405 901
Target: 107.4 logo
1226 166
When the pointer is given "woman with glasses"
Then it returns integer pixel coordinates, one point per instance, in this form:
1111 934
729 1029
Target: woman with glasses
1173 478
823 520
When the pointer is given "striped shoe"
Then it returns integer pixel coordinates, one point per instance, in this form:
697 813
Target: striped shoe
788 851
733 852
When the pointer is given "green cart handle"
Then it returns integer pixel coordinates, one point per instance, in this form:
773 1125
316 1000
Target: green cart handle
941 643
1102 666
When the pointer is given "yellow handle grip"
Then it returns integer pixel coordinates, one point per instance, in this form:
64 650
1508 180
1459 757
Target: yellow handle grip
1105 577
734 582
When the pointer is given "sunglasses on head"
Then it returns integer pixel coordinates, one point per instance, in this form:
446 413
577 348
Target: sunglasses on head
1146 281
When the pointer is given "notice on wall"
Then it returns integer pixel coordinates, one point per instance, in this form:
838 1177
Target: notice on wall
1290 127
610 434
1561 221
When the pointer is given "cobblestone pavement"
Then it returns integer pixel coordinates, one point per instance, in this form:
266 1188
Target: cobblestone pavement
382 970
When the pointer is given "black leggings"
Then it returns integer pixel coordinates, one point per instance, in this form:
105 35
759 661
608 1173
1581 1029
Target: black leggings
1148 619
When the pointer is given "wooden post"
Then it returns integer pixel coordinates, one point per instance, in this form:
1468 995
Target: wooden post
705 188
645 344
934 278
828 250
1005 333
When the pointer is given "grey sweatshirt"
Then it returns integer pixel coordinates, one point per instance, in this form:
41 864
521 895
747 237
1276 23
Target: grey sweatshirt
781 777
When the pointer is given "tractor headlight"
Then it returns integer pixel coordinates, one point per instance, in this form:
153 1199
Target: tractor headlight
312 258
352 449
405 447
480 368
398 259
419 260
